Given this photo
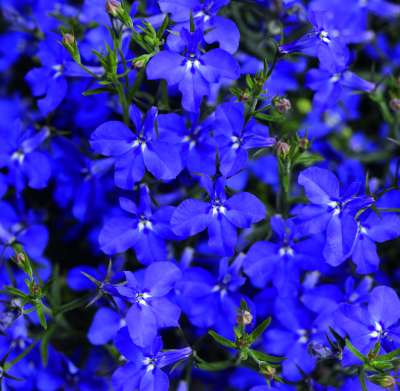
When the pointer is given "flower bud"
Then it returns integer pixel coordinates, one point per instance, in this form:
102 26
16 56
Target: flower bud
268 371
283 105
385 381
69 42
244 318
395 104
304 143
113 7
20 258
68 39
282 148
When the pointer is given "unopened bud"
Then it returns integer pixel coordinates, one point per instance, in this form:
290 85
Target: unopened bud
395 104
283 105
385 381
244 96
113 7
282 148
20 258
68 39
244 318
69 42
268 371
304 143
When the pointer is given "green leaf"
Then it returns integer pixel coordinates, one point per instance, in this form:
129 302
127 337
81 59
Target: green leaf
22 355
355 351
389 356
96 91
308 159
163 27
211 366
44 345
222 340
275 117
260 356
16 292
260 329
40 314
362 381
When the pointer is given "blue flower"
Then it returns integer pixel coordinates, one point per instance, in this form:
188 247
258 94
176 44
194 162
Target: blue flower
281 262
366 324
193 71
143 371
142 228
151 309
332 83
332 211
212 301
137 150
19 152
221 215
198 147
216 28
235 137
321 41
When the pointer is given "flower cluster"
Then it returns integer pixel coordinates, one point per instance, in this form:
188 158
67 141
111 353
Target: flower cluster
199 194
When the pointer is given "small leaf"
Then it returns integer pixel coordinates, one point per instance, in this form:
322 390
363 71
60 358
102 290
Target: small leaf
222 340
308 159
389 356
260 329
96 91
40 314
355 351
265 357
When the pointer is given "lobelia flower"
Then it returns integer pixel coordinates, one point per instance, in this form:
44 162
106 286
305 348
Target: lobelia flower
151 308
138 150
332 211
282 261
221 215
22 229
235 137
143 370
367 323
50 80
144 229
216 28
198 147
321 41
212 301
332 83
19 153
192 70
298 327
373 228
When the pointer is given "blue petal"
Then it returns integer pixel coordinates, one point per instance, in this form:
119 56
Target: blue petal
162 160
384 306
56 92
104 327
36 167
155 380
225 32
166 65
112 138
244 209
118 235
341 234
222 236
142 325
166 312
129 169
160 278
190 217
321 186
219 64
